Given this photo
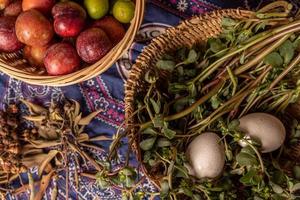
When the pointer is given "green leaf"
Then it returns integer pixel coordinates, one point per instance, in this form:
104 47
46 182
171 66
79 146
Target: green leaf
215 102
170 134
296 172
156 105
163 142
228 22
278 177
276 188
192 89
274 59
158 122
287 51
147 144
149 131
248 150
215 45
164 188
260 26
166 65
192 57
295 187
244 35
245 159
234 125
248 177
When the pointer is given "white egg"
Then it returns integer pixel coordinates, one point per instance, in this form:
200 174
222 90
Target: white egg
268 129
206 156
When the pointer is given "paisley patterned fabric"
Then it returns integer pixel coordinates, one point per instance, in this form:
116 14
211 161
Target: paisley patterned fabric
106 91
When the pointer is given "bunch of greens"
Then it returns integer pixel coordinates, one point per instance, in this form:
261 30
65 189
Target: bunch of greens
254 65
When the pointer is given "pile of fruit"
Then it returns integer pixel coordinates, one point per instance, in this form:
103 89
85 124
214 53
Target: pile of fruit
62 36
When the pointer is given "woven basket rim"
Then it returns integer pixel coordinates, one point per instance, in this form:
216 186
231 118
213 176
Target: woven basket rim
90 71
140 66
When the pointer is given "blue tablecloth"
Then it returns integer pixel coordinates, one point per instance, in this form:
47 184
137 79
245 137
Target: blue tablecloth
106 91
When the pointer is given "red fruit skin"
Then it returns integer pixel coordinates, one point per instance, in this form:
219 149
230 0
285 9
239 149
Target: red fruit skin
69 19
68 8
13 9
66 26
112 27
43 6
61 58
92 44
8 38
33 29
4 4
35 55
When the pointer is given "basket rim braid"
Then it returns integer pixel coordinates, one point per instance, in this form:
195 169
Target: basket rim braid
188 33
8 61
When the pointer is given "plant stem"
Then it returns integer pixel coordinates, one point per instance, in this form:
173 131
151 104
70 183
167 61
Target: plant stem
285 72
258 155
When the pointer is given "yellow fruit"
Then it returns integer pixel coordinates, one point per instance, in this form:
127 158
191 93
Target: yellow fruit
96 8
123 11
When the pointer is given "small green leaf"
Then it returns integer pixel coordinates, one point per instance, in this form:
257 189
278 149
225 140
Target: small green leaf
274 59
260 26
164 188
149 131
192 89
192 57
295 187
166 65
158 122
215 102
147 144
248 177
234 125
170 134
244 35
278 177
156 105
245 159
276 188
163 142
215 45
228 22
287 51
248 150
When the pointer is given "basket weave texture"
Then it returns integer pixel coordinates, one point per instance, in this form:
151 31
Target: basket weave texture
187 34
15 66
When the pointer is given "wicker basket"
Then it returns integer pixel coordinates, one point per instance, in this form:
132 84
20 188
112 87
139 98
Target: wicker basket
193 31
15 66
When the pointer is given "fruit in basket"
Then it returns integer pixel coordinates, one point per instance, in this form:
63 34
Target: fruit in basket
96 8
33 29
69 18
92 44
8 39
123 10
35 55
61 58
112 27
206 156
265 128
4 4
13 9
43 6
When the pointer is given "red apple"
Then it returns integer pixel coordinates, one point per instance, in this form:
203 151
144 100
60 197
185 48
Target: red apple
33 29
4 4
92 44
43 6
69 18
13 9
8 39
112 27
61 58
35 55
